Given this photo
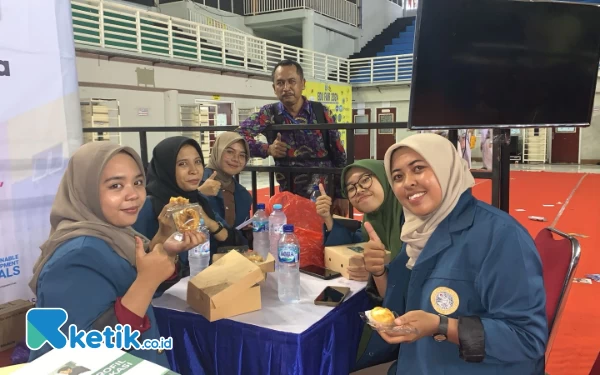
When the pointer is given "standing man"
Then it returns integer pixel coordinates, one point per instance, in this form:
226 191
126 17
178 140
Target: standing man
297 148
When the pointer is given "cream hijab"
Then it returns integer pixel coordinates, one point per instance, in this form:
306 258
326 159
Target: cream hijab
223 141
76 210
454 178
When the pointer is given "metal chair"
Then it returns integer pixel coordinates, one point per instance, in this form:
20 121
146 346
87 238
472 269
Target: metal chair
560 258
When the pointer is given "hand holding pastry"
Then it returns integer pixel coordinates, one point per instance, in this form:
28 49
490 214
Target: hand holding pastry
374 253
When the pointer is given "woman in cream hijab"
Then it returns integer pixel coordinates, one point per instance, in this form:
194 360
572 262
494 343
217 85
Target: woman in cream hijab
94 265
475 299
227 197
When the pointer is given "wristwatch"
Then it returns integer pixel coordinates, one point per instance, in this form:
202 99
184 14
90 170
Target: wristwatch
442 332
220 228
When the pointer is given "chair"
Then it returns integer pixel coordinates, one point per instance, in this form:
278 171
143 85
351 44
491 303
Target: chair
559 261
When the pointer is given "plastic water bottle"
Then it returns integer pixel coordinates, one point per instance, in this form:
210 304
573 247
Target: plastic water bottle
276 222
315 194
260 229
288 271
199 256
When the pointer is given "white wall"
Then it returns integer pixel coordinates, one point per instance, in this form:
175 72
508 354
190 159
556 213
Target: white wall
333 43
376 16
99 78
399 96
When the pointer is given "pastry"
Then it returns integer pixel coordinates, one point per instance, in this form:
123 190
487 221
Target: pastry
179 200
382 315
187 220
255 258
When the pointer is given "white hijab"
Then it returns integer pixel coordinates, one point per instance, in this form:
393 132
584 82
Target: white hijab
454 178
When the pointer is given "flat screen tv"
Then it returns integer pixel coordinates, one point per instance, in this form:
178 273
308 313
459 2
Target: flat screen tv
500 63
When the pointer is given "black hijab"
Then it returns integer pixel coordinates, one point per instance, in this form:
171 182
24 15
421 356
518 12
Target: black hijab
161 182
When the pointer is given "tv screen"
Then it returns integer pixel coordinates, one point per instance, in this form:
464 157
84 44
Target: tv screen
499 63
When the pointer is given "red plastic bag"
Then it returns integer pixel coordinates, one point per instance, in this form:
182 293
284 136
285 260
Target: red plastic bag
308 226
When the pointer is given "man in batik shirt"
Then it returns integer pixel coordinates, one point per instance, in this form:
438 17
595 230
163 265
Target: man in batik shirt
298 148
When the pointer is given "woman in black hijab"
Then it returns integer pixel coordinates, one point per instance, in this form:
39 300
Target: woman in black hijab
176 170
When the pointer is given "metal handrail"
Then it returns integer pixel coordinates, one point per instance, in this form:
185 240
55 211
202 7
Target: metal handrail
499 174
340 10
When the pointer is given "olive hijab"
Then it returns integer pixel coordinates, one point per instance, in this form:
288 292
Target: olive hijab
387 220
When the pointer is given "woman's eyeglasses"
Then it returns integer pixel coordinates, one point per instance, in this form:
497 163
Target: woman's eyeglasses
364 182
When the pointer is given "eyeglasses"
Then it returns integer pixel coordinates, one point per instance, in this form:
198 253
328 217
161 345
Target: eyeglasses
364 182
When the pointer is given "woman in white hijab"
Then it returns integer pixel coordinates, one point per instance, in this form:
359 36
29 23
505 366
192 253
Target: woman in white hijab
474 298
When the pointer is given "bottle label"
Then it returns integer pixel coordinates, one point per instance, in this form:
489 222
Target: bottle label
288 253
205 248
260 226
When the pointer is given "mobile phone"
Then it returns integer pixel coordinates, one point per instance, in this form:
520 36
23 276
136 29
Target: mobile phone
320 272
332 296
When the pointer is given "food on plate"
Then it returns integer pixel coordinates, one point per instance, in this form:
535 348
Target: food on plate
382 315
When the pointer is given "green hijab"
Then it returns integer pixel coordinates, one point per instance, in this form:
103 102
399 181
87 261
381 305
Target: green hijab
387 220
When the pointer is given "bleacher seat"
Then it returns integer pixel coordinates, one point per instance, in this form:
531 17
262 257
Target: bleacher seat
385 69
559 261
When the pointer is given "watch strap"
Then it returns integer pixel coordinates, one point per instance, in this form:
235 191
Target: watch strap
218 229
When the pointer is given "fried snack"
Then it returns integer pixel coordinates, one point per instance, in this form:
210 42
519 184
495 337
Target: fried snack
382 315
255 258
179 200
187 220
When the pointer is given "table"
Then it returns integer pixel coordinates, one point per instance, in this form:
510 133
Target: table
280 338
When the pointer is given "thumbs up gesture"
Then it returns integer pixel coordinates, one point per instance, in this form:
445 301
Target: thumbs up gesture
323 205
278 149
153 267
210 187
374 252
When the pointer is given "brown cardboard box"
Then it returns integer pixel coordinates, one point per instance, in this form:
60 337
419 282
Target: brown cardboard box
267 266
338 258
226 288
12 322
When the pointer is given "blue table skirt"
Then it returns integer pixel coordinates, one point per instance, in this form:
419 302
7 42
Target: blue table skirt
227 347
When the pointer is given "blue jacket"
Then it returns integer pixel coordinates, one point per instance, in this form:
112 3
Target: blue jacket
243 201
340 235
491 262
85 276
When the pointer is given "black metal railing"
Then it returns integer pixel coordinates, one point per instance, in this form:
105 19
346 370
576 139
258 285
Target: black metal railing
499 174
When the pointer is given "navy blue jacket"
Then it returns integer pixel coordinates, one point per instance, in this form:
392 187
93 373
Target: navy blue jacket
491 262
85 276
243 201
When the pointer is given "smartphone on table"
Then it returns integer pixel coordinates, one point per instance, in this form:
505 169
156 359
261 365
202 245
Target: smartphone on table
332 296
320 272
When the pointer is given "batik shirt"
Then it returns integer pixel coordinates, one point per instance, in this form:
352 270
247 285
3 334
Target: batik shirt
304 144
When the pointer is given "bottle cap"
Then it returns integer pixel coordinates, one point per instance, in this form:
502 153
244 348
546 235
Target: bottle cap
260 206
277 207
315 187
288 228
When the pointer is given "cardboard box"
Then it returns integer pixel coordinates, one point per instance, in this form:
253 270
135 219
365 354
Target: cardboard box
267 266
226 288
12 322
338 258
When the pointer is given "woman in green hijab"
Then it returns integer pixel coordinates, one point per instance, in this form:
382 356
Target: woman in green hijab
365 185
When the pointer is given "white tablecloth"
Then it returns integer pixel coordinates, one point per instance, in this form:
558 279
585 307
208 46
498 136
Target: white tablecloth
276 315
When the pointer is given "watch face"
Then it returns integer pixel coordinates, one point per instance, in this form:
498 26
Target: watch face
439 337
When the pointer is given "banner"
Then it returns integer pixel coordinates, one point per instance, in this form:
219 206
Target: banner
338 98
40 128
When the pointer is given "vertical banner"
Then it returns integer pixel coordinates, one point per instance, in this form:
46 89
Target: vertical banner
338 98
40 128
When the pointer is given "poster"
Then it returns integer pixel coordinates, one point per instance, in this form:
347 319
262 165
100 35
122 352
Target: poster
338 98
40 128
